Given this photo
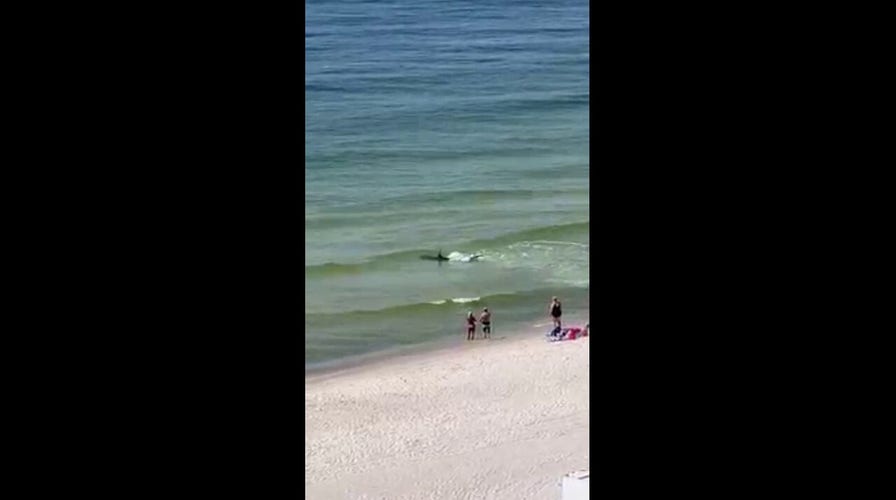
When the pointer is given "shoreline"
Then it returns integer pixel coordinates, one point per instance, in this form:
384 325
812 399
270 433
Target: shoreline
336 340
396 354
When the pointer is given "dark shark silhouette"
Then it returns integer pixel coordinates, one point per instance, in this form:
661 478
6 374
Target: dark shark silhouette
441 257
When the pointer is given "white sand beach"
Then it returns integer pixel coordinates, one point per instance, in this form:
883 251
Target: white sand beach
499 419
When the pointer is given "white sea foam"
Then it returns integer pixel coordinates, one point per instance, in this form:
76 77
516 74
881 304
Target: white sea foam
458 300
556 262
463 257
464 300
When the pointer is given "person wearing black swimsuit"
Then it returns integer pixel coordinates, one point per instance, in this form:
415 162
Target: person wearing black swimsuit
471 326
556 311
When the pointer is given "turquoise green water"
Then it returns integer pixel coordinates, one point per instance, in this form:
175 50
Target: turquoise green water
460 127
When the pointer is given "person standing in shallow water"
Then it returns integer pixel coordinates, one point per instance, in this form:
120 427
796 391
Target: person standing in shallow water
471 326
486 319
556 311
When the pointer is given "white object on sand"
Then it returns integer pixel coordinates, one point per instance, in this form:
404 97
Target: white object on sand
575 485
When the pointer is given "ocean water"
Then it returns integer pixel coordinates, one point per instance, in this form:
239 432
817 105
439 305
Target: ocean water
452 126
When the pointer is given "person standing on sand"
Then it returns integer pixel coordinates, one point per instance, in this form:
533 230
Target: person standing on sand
471 326
486 319
556 311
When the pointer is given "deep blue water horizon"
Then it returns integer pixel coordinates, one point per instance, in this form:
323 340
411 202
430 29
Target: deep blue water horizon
454 126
